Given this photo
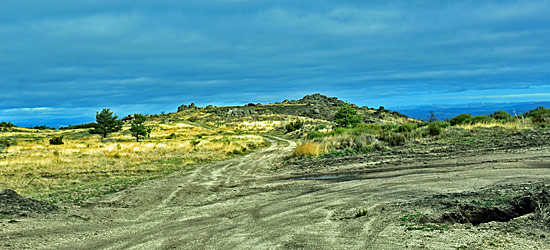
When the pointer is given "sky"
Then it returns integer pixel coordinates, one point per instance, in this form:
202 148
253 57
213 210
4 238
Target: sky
62 61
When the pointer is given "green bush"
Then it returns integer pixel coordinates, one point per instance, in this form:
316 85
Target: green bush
358 130
6 125
394 139
373 129
501 116
407 127
461 119
194 142
540 111
56 140
315 135
293 126
540 116
434 129
5 143
86 125
42 127
389 127
481 119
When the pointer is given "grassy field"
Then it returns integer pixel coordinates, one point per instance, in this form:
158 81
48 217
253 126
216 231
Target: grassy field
87 165
366 138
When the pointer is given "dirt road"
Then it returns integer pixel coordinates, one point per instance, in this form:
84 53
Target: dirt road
254 202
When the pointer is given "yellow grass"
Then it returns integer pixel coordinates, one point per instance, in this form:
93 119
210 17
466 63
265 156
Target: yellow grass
512 126
310 148
84 162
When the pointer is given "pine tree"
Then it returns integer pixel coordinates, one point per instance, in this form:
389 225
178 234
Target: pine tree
347 117
106 123
138 129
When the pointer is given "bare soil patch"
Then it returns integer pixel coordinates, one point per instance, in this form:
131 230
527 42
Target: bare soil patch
13 204
406 198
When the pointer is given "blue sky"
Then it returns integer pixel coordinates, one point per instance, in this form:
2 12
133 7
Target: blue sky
61 61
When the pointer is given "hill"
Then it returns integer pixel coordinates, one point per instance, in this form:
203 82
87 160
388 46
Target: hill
316 106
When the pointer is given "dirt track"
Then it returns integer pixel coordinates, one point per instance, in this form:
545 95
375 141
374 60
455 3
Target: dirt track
243 203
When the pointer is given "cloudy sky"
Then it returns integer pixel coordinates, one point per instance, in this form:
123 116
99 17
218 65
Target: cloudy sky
61 61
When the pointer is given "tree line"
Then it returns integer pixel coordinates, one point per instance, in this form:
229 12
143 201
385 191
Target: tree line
107 122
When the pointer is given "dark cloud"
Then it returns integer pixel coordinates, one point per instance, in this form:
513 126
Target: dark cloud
143 56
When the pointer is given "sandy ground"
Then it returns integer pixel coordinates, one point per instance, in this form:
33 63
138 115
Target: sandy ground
257 202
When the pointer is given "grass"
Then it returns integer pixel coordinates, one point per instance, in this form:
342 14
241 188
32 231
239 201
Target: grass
310 148
427 227
368 138
86 166
411 223
410 217
510 126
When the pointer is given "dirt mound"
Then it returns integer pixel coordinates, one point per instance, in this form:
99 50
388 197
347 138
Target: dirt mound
12 203
494 204
476 214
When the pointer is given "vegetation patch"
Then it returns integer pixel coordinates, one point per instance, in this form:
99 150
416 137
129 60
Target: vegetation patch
86 165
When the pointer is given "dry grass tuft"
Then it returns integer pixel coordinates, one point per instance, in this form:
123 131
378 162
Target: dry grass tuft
511 126
310 148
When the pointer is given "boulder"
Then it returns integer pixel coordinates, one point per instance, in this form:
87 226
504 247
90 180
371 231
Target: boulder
128 118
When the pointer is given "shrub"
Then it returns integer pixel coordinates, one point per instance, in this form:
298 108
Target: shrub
542 111
6 125
293 126
373 129
539 116
389 127
461 119
56 140
86 125
434 129
407 127
540 120
394 139
42 127
5 143
361 212
481 119
315 135
501 116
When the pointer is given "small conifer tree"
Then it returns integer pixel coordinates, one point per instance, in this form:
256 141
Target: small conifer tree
347 117
106 123
138 127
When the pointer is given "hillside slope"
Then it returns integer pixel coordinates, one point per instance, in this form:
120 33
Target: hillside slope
314 106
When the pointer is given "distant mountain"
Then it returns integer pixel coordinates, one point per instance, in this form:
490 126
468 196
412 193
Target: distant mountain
443 112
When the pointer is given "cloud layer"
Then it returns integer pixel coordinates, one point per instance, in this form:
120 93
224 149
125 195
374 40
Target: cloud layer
143 56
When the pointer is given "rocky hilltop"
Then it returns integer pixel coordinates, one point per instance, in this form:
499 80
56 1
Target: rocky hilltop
315 106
